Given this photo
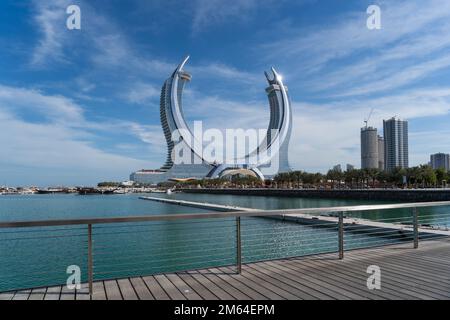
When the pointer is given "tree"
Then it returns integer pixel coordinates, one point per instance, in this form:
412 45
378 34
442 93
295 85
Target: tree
441 175
427 176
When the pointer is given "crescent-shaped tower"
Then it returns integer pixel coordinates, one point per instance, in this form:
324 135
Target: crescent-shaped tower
269 158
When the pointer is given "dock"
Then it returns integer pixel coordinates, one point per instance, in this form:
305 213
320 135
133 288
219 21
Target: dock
406 274
200 205
356 223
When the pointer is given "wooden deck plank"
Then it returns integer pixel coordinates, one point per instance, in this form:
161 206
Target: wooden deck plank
67 294
427 281
404 269
336 280
112 290
169 288
419 258
237 294
38 294
299 277
141 289
6 296
201 290
251 289
269 290
405 293
309 287
287 284
127 290
405 282
156 290
216 289
22 295
405 290
184 288
98 291
83 293
53 293
336 271
421 268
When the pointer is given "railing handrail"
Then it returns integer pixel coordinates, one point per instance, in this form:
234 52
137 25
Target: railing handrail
214 215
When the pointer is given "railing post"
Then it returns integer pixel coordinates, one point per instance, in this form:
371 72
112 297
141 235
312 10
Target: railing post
238 246
90 260
341 235
416 228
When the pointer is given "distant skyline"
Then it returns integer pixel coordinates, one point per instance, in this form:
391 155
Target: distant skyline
82 106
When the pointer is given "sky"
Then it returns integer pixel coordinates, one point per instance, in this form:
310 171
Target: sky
82 106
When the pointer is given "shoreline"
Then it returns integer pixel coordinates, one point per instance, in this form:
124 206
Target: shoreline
410 195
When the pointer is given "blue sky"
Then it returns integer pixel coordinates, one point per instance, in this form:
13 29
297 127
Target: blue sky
82 106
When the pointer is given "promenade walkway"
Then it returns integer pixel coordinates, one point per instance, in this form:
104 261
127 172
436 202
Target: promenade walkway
406 273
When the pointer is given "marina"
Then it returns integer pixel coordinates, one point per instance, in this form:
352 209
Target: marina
136 247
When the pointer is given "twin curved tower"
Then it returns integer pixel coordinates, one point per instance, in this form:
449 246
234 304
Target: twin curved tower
269 158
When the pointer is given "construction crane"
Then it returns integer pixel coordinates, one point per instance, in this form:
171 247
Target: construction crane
368 118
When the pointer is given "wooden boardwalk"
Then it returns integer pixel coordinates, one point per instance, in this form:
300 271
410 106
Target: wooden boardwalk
405 274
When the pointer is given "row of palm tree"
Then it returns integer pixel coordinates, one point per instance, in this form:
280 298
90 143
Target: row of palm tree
415 177
421 176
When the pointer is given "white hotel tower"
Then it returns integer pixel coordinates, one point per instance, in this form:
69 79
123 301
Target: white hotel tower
274 148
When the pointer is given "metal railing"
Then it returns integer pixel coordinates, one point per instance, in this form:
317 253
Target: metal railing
124 243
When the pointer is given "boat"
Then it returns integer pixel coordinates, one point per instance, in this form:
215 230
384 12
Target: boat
51 191
157 191
94 191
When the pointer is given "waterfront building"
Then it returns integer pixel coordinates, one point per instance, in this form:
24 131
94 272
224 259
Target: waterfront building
396 146
369 148
381 165
268 159
440 161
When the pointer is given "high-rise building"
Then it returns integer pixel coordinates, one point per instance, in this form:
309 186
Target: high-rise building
369 148
440 161
381 165
337 168
396 146
185 155
350 167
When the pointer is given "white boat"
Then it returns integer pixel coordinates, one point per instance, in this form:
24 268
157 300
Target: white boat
169 192
8 193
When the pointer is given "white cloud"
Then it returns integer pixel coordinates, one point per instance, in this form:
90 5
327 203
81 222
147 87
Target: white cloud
52 148
387 61
54 108
401 78
50 18
141 93
212 12
314 48
65 141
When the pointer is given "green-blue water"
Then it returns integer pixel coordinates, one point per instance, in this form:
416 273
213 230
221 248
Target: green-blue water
40 256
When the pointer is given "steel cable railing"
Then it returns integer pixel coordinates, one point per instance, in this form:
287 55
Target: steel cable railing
31 257
132 246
